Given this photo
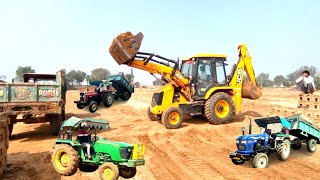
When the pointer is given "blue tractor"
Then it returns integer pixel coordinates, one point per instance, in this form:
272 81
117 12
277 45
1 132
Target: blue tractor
274 137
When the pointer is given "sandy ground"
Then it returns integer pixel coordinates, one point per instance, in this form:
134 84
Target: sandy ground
197 150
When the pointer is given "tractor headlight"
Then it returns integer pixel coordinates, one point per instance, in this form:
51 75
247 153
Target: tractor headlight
125 153
238 141
243 141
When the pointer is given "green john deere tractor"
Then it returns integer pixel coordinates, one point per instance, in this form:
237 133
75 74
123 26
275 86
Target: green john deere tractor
88 153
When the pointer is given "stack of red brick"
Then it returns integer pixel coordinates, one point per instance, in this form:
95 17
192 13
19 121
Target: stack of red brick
4 140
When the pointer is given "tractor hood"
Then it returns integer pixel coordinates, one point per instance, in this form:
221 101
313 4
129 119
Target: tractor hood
253 137
117 151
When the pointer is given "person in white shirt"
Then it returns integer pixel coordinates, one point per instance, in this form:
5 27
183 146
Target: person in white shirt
306 83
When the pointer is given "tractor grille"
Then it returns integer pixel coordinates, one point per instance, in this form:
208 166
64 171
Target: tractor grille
157 99
125 153
241 147
82 97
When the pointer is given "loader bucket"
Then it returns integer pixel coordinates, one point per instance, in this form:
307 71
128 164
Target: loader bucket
125 47
250 91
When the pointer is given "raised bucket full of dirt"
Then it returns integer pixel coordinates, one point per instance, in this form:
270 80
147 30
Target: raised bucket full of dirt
250 91
125 47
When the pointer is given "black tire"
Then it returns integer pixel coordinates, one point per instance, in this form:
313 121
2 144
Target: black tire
59 158
283 150
128 172
312 145
116 97
87 168
80 106
108 171
55 123
93 106
125 96
296 146
172 117
238 162
261 160
219 108
151 116
107 99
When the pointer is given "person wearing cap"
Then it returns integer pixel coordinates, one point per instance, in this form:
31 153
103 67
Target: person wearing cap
306 83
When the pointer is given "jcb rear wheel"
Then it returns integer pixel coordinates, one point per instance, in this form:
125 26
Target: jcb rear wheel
109 171
65 159
219 108
151 116
172 118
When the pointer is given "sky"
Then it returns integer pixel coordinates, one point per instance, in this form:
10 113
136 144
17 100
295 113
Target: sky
50 35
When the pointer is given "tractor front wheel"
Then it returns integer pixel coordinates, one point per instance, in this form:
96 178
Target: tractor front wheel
312 145
151 116
80 106
261 160
238 162
128 172
109 171
107 99
172 117
93 106
283 150
218 108
65 159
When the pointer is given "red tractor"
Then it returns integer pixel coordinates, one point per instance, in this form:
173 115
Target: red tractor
102 94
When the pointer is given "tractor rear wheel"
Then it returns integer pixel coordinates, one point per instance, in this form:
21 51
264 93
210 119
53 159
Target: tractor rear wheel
93 106
108 171
55 123
238 162
261 160
283 150
151 116
172 117
65 159
107 99
128 172
219 108
312 145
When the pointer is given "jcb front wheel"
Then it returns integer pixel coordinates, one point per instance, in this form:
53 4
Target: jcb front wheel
108 171
219 108
128 172
65 159
172 118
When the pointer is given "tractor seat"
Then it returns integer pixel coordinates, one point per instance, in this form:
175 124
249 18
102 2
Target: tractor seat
84 138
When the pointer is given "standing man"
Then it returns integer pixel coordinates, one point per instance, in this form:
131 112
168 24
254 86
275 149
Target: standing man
306 83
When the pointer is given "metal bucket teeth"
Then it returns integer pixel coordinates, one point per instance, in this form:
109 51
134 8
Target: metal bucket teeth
125 47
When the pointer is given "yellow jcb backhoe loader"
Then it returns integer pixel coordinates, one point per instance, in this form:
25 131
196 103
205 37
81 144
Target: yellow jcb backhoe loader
199 86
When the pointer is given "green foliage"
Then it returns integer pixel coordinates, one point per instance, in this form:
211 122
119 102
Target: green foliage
22 70
137 84
76 77
99 74
297 73
263 79
279 80
3 77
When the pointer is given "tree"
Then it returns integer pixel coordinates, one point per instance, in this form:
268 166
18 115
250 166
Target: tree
99 74
77 77
80 77
136 84
3 77
130 77
22 70
279 80
263 79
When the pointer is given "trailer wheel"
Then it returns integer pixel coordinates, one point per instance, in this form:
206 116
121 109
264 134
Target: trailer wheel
296 146
151 116
107 99
261 160
109 171
93 106
219 108
283 150
128 172
312 145
125 96
172 117
238 162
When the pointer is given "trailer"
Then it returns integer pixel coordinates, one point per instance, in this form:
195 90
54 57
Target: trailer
122 84
304 131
